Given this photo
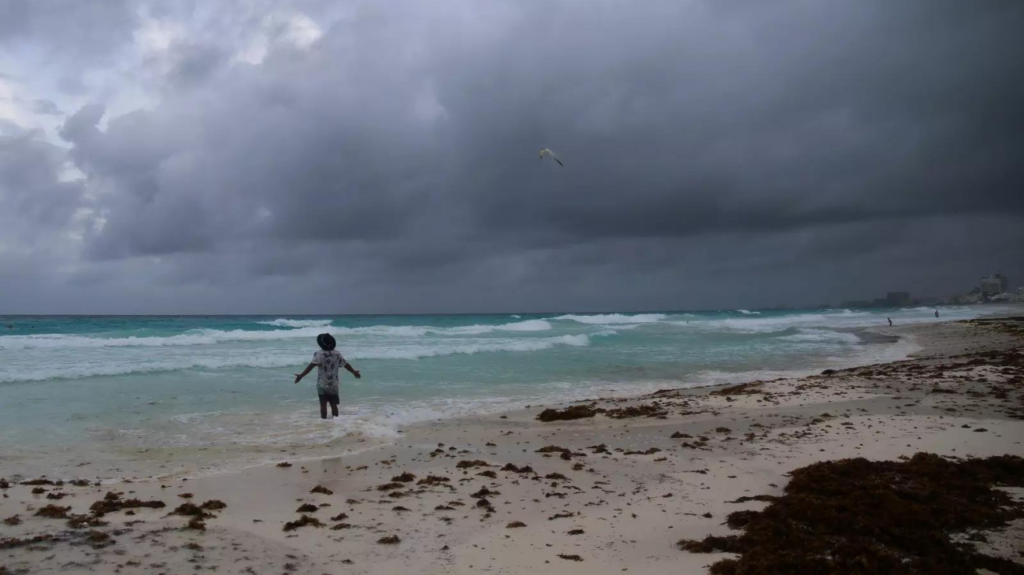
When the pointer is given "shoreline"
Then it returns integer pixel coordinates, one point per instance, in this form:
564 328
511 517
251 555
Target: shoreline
670 459
350 445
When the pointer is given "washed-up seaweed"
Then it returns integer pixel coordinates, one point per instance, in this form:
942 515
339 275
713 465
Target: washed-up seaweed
855 516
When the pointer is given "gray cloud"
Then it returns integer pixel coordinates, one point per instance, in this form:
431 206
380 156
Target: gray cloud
737 154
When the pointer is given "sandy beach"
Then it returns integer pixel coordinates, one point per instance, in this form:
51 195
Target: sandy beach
611 492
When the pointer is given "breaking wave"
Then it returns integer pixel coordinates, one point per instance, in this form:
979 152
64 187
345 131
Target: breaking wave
613 318
215 336
297 322
265 361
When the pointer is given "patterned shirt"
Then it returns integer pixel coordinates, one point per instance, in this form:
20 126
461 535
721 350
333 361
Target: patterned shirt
328 363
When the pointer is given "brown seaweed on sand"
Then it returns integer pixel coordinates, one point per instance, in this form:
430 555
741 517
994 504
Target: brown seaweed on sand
433 480
467 464
303 521
405 477
113 502
54 512
321 489
654 409
574 412
515 525
855 516
389 540
570 557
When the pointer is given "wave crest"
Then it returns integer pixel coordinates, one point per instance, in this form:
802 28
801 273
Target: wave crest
297 322
613 318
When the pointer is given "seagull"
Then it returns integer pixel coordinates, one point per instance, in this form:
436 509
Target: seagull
552 154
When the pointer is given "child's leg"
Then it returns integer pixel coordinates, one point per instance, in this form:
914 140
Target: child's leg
334 408
323 409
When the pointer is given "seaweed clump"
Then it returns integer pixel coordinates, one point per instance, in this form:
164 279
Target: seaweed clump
855 516
112 502
653 409
302 522
573 412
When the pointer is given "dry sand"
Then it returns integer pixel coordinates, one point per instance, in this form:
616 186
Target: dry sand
617 509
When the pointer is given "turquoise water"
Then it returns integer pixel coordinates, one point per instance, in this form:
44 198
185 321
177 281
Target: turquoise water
113 387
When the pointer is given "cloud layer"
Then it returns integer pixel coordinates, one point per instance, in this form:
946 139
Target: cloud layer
353 157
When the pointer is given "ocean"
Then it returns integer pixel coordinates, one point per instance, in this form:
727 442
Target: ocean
148 395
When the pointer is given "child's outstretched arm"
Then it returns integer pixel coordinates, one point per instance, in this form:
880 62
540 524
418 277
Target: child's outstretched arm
309 368
352 370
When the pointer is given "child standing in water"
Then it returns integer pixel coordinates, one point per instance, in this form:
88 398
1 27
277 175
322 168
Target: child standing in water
329 360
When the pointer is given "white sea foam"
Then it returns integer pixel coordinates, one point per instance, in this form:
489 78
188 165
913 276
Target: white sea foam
811 335
297 322
270 361
613 318
215 336
748 312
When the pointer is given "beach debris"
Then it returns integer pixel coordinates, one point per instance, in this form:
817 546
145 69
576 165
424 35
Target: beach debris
53 512
340 517
484 492
433 480
112 502
38 491
321 489
389 540
653 409
562 515
573 412
570 557
13 520
283 464
405 477
515 525
860 516
307 508
467 464
79 521
302 521
649 451
744 499
185 495
4 484
390 486
678 435
489 474
574 532
13 542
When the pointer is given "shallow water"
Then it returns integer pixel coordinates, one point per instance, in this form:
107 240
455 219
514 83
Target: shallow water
124 389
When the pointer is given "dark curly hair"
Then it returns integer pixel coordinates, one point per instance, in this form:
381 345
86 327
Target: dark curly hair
326 341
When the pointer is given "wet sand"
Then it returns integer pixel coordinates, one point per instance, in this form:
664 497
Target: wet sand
610 493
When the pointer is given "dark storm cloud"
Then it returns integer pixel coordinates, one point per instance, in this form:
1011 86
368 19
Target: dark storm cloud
707 144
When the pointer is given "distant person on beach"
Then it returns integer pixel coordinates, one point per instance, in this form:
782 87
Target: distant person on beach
328 360
890 321
936 313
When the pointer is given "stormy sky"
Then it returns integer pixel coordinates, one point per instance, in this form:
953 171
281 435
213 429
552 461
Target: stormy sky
351 156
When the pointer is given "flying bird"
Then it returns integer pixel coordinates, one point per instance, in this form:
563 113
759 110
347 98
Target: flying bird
552 154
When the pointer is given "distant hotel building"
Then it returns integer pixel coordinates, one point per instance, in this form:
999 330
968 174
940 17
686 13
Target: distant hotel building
994 284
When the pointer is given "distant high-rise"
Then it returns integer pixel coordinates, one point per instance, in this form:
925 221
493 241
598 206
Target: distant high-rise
898 298
993 284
